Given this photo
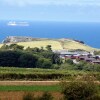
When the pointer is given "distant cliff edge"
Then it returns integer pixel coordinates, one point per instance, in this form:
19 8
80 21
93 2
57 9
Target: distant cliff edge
16 39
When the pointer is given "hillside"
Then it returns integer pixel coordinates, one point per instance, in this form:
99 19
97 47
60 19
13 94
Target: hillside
57 44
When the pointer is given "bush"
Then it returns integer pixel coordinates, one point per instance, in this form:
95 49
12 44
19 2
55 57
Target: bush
69 61
46 96
79 90
28 97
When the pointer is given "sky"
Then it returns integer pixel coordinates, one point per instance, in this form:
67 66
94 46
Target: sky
51 10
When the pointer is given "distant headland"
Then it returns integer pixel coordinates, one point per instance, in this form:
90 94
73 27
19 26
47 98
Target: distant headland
57 44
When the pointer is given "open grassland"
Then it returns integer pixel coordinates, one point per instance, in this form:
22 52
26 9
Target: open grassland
1 45
43 43
69 44
57 44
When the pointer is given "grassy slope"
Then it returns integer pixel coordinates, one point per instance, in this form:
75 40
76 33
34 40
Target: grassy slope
57 44
42 43
69 44
0 45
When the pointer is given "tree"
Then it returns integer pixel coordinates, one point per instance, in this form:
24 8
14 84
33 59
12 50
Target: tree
28 60
48 47
44 63
4 47
9 58
16 47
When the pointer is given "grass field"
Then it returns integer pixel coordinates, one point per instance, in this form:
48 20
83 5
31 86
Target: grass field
1 45
57 44
76 45
31 88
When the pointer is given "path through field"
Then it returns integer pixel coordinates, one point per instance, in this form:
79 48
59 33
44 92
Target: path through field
27 83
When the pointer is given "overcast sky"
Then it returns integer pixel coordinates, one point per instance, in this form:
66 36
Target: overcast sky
51 10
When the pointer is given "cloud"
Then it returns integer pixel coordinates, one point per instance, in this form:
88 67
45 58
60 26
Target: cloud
50 2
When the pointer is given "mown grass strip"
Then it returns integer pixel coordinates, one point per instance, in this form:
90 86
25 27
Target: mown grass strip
31 88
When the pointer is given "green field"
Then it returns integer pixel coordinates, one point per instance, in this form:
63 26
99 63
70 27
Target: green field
5 70
11 73
30 88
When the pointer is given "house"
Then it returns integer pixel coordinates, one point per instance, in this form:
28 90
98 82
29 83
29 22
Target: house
96 61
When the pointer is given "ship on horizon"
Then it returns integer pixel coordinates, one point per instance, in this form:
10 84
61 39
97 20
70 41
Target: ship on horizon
13 23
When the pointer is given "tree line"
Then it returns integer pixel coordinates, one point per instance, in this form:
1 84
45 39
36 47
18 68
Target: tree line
16 56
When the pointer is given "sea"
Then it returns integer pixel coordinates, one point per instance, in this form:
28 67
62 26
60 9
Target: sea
89 32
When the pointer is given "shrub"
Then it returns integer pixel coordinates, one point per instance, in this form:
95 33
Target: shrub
79 90
28 97
46 96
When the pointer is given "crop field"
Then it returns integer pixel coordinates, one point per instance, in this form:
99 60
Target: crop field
35 74
5 70
17 92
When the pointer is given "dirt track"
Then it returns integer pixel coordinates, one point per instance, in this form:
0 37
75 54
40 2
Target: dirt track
33 82
29 82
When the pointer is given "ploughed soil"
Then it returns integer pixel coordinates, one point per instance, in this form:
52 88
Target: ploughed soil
19 95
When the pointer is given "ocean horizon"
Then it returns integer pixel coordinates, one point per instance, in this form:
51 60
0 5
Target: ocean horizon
89 32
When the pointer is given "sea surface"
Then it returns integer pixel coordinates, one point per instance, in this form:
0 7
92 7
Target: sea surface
87 32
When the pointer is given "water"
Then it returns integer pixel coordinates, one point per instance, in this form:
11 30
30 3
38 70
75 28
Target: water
87 32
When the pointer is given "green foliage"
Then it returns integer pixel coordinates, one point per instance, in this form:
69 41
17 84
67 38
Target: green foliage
9 58
4 47
87 66
97 52
79 90
12 47
27 60
48 47
44 63
30 57
69 61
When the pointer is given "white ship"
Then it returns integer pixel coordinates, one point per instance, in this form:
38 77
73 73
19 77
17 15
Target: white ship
13 23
